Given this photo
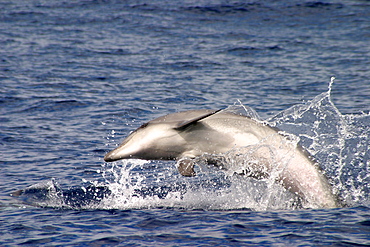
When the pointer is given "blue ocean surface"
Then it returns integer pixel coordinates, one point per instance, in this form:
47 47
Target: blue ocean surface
76 77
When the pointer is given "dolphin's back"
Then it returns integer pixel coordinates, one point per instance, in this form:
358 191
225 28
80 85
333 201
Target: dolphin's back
179 119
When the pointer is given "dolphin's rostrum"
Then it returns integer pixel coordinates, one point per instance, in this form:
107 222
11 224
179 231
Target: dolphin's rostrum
186 136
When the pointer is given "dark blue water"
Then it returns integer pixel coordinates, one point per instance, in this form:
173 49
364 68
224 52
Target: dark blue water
77 76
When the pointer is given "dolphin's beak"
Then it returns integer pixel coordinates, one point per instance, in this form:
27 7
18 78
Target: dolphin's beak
124 151
110 157
117 154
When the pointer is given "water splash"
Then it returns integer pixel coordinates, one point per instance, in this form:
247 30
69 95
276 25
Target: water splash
211 189
338 142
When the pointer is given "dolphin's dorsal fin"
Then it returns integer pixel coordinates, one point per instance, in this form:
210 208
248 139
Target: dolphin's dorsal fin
184 124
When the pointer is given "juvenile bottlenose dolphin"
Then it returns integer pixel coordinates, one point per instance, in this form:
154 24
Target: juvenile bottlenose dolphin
186 136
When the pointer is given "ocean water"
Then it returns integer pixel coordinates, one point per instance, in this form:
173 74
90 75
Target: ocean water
76 77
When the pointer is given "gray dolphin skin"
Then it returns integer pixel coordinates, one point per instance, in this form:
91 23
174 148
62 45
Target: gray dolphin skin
186 136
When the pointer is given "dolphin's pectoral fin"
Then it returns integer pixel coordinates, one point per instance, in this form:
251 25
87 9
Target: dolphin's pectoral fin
186 123
186 167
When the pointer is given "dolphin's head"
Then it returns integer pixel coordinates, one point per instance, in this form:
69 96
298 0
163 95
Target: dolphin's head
159 139
149 142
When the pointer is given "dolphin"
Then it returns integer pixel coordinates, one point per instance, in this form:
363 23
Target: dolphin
215 134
